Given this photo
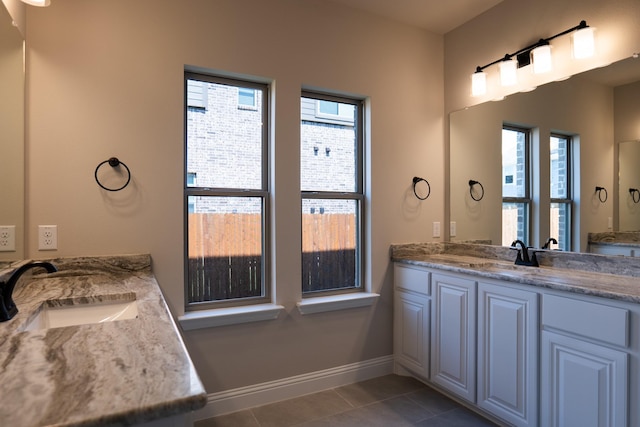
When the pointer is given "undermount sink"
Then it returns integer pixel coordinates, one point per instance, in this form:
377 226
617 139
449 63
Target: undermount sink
81 314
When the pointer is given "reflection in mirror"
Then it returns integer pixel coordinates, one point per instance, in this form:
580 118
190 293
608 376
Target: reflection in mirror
629 176
11 135
584 108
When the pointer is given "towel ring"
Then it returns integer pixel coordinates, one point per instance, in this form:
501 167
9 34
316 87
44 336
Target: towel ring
471 184
114 163
635 195
416 180
599 190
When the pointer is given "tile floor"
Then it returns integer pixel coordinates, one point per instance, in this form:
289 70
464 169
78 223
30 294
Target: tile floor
388 401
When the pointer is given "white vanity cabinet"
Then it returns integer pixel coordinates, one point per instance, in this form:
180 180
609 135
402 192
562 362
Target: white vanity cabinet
508 353
453 335
584 363
411 316
527 355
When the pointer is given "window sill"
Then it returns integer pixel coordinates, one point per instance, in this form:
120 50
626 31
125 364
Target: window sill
229 316
336 302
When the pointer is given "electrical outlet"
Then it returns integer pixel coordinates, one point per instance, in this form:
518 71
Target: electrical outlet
47 237
436 229
7 238
453 229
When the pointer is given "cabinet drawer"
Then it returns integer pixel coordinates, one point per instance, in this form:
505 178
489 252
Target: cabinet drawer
412 279
596 321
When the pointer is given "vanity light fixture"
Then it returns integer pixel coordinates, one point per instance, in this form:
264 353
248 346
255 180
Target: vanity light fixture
508 68
539 53
39 3
541 58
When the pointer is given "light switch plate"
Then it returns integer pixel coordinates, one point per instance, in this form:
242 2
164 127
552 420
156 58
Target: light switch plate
453 229
436 229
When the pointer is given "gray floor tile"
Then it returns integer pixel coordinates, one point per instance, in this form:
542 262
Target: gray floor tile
300 409
236 419
373 390
460 417
433 401
396 412
388 401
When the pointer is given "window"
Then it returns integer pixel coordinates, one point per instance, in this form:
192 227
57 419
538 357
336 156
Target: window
247 97
561 202
196 94
333 110
332 195
516 199
226 207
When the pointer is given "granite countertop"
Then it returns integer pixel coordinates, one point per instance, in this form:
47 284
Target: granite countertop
586 274
124 372
615 238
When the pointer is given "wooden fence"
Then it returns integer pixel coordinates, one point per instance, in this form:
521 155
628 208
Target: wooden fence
225 254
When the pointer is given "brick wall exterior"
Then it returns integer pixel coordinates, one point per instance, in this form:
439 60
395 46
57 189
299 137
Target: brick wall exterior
224 151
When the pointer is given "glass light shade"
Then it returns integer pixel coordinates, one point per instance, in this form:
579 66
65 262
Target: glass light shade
583 43
508 76
541 58
39 3
478 83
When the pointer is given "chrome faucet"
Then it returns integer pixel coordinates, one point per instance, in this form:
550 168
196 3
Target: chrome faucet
523 255
8 308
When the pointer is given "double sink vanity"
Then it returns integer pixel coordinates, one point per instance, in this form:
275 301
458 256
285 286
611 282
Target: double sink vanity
94 344
554 345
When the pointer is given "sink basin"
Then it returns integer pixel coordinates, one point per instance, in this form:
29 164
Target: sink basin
82 314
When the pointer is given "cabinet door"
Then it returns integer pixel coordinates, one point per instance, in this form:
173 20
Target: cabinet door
453 338
411 332
583 384
507 353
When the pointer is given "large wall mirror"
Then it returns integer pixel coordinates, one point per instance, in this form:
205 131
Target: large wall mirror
11 133
598 111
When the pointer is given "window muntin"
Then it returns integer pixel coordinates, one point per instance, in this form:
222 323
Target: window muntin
516 199
226 207
560 190
331 180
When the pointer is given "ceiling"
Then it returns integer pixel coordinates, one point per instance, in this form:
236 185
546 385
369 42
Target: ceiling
437 16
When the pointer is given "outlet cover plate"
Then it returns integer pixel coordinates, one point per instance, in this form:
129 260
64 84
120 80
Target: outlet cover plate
47 237
7 238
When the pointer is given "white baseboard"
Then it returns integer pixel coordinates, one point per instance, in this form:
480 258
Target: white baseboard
228 401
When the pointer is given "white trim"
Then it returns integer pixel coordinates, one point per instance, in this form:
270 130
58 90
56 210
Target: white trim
229 316
336 302
242 398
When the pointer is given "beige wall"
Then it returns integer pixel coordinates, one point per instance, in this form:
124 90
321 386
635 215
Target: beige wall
105 78
17 11
11 132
